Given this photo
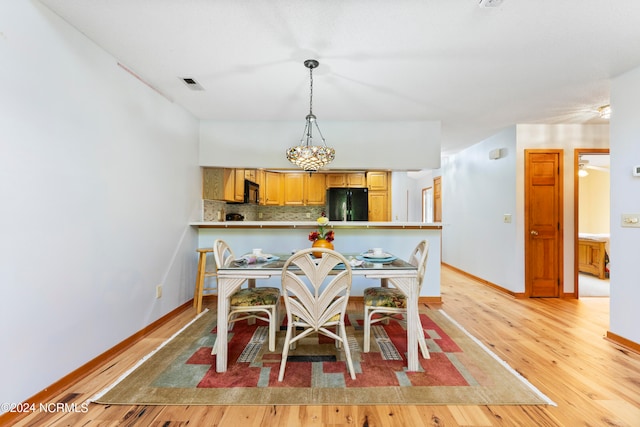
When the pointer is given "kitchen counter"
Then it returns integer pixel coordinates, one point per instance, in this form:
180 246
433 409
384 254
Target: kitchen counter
314 224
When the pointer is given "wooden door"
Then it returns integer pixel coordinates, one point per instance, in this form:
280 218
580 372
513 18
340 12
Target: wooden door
437 199
543 223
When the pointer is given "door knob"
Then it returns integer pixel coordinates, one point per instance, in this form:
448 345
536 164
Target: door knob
534 233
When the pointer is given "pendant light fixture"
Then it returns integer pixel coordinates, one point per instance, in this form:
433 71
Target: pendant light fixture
306 155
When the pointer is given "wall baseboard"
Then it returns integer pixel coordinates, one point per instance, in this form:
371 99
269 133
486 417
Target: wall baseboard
518 295
43 396
421 300
617 339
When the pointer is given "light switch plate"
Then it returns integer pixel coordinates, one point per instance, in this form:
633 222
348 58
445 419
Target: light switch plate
630 220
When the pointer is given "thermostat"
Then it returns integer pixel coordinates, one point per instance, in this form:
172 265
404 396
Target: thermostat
636 170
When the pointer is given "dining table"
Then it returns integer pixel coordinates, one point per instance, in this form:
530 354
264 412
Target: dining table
397 272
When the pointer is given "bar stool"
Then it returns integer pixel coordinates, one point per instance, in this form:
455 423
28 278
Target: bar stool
203 274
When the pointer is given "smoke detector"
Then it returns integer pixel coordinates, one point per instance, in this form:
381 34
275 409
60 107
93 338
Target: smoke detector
490 3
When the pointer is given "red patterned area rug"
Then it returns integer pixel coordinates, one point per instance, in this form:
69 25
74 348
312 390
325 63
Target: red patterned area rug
460 370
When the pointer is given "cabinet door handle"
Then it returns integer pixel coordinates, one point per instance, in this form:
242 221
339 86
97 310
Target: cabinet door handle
534 233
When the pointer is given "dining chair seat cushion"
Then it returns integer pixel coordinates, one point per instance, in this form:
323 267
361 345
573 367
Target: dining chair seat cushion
333 319
248 297
385 297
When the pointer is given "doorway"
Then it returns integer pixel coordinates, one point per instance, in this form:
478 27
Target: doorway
591 222
437 199
427 204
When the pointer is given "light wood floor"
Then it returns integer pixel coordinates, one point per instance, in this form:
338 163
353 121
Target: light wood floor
556 344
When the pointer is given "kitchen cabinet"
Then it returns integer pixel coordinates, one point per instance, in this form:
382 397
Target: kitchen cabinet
251 175
272 189
234 185
377 181
315 189
303 189
379 206
355 179
336 180
293 189
358 179
379 197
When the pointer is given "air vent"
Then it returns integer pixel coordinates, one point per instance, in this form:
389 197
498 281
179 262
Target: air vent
192 83
490 3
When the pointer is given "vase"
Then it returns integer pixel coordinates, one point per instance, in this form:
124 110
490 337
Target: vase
321 243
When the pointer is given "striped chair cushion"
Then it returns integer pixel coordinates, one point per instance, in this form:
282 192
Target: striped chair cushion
385 297
249 297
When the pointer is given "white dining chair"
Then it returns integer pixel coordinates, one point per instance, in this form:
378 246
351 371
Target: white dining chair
259 302
391 303
316 301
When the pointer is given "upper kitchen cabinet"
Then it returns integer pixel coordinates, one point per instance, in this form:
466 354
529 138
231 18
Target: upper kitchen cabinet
294 189
272 189
234 185
315 188
354 179
377 181
303 189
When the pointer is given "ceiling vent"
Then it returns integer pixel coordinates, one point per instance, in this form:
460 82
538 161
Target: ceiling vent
490 3
192 83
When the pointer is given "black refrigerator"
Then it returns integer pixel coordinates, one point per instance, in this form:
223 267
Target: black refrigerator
348 204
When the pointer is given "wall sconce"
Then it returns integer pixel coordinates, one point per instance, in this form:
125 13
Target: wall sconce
496 154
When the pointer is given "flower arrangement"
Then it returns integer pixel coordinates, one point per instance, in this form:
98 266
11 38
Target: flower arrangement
321 233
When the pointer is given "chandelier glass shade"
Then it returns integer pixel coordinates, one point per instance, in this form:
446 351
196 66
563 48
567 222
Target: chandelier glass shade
306 155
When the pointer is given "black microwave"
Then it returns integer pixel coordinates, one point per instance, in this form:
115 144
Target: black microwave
251 192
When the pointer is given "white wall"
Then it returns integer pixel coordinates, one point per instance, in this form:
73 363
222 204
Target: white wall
625 198
98 181
400 194
358 145
477 192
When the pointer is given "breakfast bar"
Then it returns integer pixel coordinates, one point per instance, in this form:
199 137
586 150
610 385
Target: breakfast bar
395 237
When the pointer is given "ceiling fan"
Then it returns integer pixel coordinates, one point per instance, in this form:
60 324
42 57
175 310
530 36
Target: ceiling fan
585 164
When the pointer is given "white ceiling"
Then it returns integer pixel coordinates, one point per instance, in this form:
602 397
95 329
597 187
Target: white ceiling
475 69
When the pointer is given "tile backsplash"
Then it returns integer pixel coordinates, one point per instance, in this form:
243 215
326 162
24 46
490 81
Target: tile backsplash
213 208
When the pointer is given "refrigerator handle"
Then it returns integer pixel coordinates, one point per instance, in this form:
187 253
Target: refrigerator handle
349 205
